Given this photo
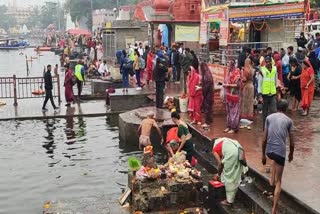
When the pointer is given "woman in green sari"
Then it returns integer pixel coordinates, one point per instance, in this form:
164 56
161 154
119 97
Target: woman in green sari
226 152
184 135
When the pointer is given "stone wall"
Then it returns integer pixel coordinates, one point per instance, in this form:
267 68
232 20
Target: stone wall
139 34
273 34
165 194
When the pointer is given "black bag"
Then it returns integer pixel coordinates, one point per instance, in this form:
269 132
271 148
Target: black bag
131 72
128 65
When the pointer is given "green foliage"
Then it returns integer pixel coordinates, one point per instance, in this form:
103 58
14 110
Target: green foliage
315 3
82 8
6 21
48 14
134 164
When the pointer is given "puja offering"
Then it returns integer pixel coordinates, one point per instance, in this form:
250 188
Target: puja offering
175 182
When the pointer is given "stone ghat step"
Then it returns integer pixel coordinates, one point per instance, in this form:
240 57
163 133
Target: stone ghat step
250 196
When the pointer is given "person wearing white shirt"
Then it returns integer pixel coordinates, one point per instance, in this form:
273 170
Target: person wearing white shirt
140 49
103 68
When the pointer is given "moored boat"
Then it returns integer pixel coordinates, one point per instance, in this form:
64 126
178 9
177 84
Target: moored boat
43 48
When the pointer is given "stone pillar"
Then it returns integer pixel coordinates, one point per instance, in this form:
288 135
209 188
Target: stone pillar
152 35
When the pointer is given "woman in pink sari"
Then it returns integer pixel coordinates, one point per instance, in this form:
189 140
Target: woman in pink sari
68 84
232 98
195 95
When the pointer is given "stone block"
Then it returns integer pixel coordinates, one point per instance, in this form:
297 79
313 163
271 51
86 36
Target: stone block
198 184
133 99
216 194
173 186
188 186
99 87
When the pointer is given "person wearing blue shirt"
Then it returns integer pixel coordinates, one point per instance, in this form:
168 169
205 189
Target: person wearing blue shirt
124 71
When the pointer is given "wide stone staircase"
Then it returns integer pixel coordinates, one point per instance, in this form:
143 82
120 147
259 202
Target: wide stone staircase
249 197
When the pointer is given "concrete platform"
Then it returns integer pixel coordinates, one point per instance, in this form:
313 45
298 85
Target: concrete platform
124 101
32 110
300 182
98 86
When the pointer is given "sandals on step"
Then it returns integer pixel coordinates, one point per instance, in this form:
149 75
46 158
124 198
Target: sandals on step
268 194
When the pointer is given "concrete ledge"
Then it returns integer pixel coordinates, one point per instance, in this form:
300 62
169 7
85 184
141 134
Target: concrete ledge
99 87
125 101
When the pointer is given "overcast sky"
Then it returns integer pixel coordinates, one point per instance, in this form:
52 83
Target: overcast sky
26 3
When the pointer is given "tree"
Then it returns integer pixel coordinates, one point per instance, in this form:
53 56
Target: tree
48 14
314 3
7 20
82 8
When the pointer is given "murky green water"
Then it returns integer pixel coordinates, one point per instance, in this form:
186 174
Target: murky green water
59 159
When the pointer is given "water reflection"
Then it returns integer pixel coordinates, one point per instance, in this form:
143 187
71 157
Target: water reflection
49 145
70 133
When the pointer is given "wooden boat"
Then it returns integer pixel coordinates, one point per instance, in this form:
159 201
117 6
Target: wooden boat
9 44
43 49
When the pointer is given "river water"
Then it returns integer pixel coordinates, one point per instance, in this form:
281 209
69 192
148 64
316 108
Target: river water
13 62
56 159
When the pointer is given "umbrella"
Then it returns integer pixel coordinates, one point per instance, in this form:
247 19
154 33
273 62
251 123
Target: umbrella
79 32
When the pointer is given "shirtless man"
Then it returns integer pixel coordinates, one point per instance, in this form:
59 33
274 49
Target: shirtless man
145 130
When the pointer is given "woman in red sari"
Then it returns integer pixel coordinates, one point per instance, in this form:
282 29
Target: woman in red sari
68 84
149 66
195 95
307 86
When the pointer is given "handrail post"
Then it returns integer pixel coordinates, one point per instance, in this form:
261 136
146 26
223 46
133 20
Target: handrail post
58 82
15 97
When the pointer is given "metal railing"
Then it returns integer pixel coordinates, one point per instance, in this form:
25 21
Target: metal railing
24 88
232 50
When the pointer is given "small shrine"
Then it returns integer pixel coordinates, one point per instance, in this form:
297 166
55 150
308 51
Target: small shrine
173 187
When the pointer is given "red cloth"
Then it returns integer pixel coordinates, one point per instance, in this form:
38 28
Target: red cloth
234 77
172 134
307 94
218 148
195 96
278 62
149 66
91 44
68 86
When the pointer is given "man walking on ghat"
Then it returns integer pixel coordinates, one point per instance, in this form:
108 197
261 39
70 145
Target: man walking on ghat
48 87
277 129
79 72
267 88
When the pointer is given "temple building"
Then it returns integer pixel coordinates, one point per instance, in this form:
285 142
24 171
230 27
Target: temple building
20 13
171 21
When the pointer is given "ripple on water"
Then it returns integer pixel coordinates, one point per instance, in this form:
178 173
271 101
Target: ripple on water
59 159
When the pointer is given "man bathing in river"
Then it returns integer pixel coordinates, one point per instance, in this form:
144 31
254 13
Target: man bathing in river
145 130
